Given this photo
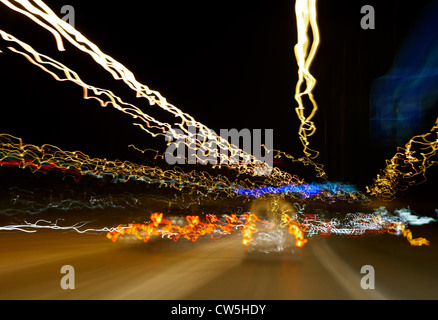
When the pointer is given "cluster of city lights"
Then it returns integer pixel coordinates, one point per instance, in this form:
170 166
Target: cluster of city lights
407 167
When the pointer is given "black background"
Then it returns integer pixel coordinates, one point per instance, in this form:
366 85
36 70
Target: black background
230 64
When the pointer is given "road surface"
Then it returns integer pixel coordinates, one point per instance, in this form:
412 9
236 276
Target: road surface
327 268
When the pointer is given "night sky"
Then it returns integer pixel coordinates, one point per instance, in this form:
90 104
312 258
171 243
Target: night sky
230 64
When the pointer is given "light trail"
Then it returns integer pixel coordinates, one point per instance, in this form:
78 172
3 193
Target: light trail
305 52
44 16
105 97
33 208
15 153
331 191
361 224
412 219
193 229
295 229
47 157
306 16
408 166
298 225
353 225
28 202
400 229
48 225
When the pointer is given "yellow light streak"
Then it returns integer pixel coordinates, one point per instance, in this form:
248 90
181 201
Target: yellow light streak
40 13
306 15
194 183
408 166
44 16
47 157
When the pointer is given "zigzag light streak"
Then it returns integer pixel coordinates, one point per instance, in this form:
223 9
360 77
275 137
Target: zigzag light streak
357 224
62 73
361 224
306 15
45 224
15 153
45 17
408 166
199 184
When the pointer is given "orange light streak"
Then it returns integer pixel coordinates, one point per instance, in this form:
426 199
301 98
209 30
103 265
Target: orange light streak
250 228
295 230
399 227
44 158
193 229
406 165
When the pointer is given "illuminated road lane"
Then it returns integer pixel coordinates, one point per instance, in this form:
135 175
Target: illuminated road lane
329 268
